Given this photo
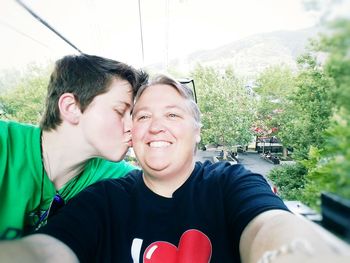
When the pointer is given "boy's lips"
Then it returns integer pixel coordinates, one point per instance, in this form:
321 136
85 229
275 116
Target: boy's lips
129 143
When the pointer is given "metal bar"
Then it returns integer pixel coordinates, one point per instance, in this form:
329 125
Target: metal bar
47 25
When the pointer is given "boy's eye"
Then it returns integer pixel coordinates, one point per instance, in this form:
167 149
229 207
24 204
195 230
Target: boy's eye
142 117
120 112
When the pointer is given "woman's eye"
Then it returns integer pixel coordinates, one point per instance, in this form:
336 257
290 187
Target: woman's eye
172 115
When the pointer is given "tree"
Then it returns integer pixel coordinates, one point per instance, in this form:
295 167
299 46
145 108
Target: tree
9 78
226 106
24 102
317 119
308 109
338 63
274 85
329 165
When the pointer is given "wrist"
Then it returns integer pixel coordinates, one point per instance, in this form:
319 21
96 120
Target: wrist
298 248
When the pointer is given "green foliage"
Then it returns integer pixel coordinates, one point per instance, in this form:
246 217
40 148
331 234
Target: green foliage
24 102
306 116
329 167
227 108
316 121
289 180
275 82
132 160
273 87
9 78
338 64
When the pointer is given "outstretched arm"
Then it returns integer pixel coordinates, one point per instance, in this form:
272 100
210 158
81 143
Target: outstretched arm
279 236
36 248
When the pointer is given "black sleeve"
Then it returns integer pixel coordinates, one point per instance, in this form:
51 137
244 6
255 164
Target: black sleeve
247 195
80 223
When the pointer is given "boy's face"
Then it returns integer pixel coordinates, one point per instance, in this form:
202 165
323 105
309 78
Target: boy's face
164 132
106 122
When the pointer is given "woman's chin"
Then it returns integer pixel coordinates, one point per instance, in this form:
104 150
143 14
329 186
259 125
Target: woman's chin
156 165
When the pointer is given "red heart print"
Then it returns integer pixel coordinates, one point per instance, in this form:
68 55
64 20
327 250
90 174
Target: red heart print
194 247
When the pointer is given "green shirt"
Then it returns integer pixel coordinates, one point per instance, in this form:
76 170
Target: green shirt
25 189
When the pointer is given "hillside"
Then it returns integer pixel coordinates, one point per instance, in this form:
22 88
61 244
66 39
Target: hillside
253 54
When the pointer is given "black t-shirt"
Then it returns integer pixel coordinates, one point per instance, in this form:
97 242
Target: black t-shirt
121 220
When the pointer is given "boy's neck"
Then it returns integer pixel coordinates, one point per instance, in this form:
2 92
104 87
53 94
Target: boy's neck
63 158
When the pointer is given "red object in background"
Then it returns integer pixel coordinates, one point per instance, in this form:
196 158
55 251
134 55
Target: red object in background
259 130
274 190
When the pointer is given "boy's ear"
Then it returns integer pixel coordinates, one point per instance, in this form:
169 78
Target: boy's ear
69 109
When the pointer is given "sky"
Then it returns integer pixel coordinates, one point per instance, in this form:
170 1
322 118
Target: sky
112 28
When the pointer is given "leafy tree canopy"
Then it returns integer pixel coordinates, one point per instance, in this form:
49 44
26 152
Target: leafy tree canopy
24 101
226 105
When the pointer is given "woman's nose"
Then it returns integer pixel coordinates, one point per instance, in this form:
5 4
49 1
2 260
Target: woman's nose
156 126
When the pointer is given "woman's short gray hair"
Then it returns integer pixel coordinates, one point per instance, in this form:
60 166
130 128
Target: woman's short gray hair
183 90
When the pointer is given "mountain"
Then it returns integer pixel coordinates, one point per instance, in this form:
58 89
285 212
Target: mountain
253 54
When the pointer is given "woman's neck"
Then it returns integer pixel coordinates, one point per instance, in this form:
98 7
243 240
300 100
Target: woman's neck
165 184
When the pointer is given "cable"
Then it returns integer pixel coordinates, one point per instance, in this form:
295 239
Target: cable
140 19
167 35
47 25
23 34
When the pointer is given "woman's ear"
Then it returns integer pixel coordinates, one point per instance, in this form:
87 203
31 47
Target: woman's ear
197 134
69 109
